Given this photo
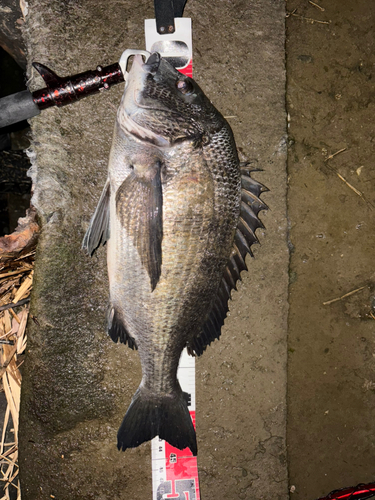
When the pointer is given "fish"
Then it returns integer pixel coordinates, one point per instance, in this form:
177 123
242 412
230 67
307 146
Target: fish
178 214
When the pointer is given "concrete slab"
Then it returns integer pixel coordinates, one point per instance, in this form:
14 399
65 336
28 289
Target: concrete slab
77 384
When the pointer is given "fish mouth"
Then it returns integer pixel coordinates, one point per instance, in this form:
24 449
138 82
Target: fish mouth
132 103
153 62
150 66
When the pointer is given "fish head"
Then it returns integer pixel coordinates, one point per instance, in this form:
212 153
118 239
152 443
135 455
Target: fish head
162 106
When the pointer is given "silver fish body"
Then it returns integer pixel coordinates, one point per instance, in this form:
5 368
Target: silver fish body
178 226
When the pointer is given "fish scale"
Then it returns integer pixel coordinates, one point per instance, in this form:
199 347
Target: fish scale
179 214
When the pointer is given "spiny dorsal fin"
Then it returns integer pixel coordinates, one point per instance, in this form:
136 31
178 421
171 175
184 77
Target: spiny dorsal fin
245 236
98 231
248 182
139 206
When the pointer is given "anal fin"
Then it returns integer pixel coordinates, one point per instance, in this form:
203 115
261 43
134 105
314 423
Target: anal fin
117 330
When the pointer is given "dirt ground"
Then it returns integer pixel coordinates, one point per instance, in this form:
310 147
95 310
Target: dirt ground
331 208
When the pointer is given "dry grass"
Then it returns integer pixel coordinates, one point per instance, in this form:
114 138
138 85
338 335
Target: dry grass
343 296
16 276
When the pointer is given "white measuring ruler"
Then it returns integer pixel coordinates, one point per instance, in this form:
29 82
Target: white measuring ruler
174 471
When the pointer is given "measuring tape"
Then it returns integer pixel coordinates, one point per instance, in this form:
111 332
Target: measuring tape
174 471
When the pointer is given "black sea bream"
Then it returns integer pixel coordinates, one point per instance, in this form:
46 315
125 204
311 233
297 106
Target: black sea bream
178 213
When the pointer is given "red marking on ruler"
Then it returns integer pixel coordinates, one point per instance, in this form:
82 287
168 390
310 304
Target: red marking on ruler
188 70
182 471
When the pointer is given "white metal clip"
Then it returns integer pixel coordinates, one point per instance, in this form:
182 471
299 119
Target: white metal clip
123 62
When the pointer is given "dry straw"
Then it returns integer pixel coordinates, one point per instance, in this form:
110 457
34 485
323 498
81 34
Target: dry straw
16 277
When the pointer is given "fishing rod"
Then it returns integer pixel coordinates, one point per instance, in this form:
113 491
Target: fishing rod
61 91
359 492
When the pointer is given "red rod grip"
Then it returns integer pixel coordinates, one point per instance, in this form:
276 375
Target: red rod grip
359 492
65 90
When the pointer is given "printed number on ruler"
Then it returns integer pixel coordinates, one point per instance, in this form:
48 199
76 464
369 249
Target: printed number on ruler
182 486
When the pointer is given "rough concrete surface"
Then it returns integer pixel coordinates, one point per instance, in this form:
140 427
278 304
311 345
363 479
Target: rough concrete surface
77 383
331 378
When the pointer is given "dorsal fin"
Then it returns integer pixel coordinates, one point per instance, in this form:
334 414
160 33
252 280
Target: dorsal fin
245 236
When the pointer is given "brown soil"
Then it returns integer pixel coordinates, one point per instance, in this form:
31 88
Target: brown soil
331 378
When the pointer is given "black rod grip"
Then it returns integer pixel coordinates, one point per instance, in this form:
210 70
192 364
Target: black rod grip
17 107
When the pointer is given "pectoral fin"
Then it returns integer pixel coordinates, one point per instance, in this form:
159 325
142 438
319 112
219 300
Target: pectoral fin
98 231
139 207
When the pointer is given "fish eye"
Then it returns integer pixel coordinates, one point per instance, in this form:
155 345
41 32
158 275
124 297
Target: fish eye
184 86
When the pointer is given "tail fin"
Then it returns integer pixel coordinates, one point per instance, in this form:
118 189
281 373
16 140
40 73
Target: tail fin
164 416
